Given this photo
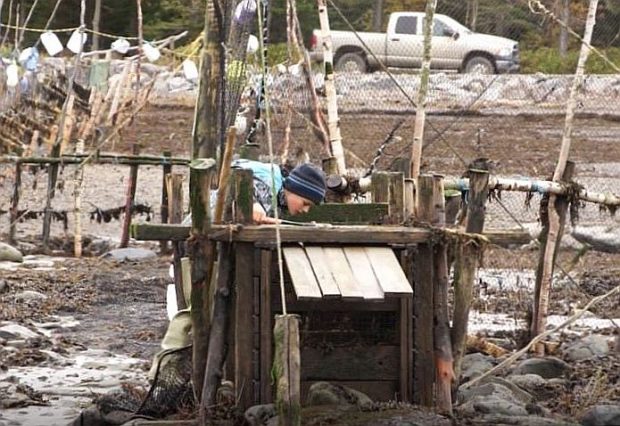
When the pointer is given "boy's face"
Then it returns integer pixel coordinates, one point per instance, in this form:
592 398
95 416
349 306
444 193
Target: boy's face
297 204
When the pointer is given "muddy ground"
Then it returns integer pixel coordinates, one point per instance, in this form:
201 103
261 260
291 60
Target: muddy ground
120 307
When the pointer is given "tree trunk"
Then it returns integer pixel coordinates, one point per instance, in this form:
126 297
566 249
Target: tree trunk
96 20
377 16
565 17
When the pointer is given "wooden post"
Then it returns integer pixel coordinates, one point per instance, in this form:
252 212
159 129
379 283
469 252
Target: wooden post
466 263
548 254
423 368
287 370
202 253
166 170
15 203
266 328
388 187
409 198
129 200
77 202
441 337
174 195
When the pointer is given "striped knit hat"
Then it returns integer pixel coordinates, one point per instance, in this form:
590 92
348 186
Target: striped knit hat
307 181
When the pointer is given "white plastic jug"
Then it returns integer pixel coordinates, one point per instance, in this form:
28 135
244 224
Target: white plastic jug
152 53
190 70
12 75
52 44
74 41
252 44
121 46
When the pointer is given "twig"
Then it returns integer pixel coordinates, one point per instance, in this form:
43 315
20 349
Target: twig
542 336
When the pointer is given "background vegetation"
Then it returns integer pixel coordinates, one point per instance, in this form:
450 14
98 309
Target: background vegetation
540 38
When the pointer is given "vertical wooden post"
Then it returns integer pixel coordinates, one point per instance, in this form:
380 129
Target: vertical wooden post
287 369
424 372
166 170
396 197
243 195
129 200
409 198
466 263
543 273
443 347
77 201
174 195
202 253
15 202
266 328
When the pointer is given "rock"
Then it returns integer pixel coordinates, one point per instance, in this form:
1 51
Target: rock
323 393
474 365
30 296
4 286
520 394
258 415
586 348
529 382
12 331
497 390
493 419
10 254
26 248
602 415
491 404
99 246
547 368
129 254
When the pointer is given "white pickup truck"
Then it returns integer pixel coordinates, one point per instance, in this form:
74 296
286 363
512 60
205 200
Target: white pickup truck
454 47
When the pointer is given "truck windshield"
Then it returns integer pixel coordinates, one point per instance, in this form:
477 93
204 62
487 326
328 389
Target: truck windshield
452 24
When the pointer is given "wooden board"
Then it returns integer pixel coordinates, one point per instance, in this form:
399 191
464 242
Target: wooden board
341 271
388 271
363 273
304 282
322 272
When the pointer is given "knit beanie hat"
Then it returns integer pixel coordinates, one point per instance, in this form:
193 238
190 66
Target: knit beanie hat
307 181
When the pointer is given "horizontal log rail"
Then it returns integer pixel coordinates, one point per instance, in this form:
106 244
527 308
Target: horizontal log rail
142 160
320 234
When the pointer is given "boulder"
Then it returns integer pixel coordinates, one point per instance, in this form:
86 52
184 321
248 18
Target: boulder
30 296
12 331
324 393
474 365
259 415
547 368
129 254
529 382
497 390
10 254
491 405
494 419
4 286
586 348
602 415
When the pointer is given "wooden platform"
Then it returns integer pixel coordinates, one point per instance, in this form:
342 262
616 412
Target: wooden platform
349 273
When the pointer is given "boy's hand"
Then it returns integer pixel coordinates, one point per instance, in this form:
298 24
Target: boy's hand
259 217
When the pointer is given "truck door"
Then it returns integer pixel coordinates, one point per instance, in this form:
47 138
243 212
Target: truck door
405 42
445 50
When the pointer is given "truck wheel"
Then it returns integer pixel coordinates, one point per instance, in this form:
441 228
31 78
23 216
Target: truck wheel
479 65
350 62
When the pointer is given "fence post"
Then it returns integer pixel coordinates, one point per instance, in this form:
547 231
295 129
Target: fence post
15 203
174 190
166 170
129 200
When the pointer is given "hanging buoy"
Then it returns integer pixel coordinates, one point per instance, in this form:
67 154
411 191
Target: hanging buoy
120 45
12 75
74 44
52 44
152 53
190 70
245 11
252 44
29 58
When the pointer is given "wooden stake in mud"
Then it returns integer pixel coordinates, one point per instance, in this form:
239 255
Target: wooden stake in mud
545 276
15 203
286 369
333 122
166 170
174 189
78 179
467 255
441 337
129 199
420 115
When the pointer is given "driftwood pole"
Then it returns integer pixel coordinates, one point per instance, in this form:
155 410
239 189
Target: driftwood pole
163 210
286 369
420 115
78 179
466 263
333 122
174 188
444 372
129 199
541 305
15 203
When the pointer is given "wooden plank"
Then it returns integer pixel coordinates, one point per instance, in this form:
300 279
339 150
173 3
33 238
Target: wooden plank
343 213
318 260
266 328
350 363
304 282
341 271
388 271
377 390
244 326
405 328
363 273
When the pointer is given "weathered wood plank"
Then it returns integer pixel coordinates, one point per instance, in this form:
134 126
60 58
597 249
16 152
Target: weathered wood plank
304 282
388 271
244 343
350 363
343 213
266 328
341 271
363 273
318 259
